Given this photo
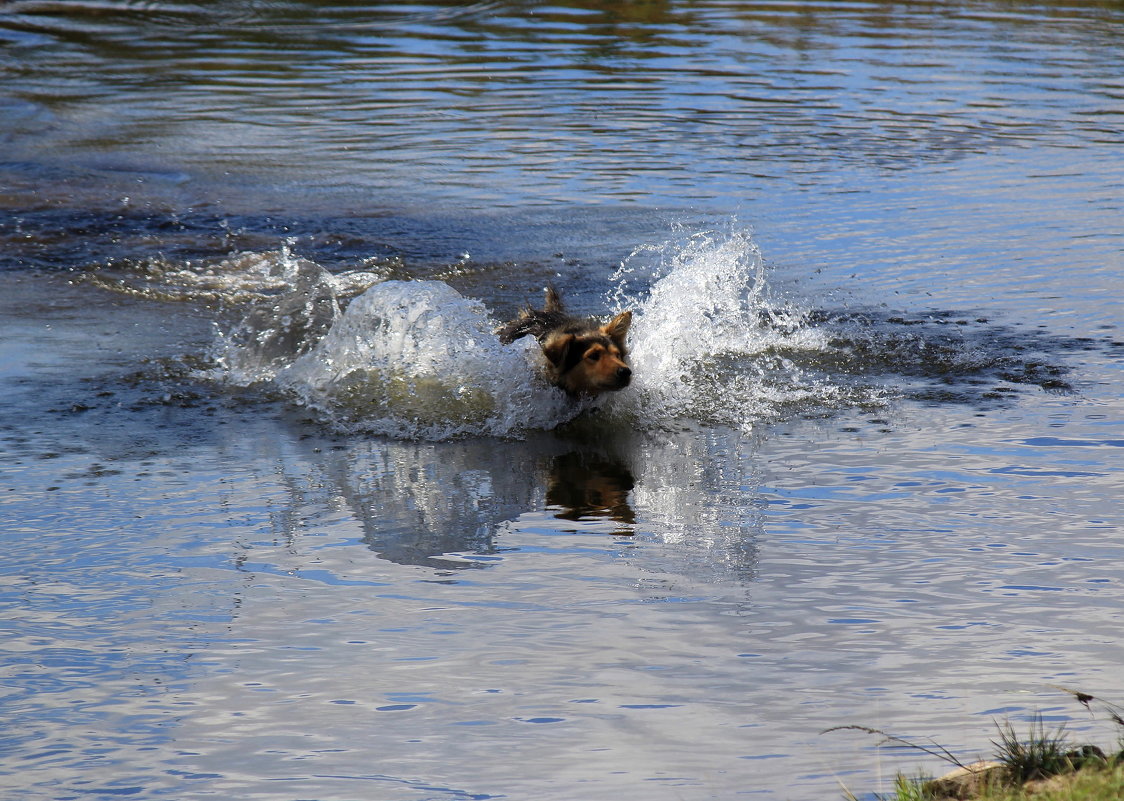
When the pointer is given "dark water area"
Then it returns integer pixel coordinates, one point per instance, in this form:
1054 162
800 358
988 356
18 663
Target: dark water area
284 520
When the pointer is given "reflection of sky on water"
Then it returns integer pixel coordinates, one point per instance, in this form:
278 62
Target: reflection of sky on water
748 562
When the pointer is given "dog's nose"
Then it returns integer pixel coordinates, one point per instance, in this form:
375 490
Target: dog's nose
623 373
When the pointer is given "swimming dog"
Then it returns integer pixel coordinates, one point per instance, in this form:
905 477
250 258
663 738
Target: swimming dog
584 357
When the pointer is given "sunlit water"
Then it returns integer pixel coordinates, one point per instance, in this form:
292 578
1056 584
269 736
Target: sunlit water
283 519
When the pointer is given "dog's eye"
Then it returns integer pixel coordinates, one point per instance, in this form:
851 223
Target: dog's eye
593 355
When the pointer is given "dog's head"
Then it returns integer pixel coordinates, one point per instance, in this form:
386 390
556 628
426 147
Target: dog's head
589 362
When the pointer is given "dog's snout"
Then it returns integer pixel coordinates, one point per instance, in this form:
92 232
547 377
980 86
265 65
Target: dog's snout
624 374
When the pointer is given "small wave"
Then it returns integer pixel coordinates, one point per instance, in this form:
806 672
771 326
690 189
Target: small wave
243 278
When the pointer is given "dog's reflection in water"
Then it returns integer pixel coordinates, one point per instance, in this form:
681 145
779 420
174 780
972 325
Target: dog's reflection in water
587 486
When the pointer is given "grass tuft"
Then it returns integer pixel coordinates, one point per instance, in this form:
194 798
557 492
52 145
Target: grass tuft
1041 754
1042 766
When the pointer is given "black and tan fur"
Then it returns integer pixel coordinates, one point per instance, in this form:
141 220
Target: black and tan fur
584 357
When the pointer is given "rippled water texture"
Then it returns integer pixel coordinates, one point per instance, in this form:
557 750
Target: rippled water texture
284 520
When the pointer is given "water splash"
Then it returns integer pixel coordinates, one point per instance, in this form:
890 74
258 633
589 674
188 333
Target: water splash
711 343
292 307
416 359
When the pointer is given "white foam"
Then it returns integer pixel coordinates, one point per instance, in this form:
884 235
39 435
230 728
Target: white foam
708 342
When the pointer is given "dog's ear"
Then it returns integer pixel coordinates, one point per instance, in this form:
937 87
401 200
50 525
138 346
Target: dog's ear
556 348
617 328
553 300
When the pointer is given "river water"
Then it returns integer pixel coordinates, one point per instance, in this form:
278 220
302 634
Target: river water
284 520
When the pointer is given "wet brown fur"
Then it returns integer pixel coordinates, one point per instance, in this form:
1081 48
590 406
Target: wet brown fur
584 357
